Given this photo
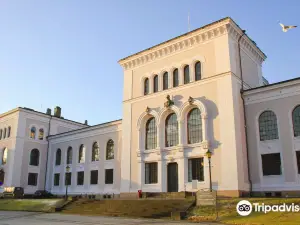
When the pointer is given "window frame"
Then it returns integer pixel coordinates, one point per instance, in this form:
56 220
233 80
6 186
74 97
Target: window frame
69 158
35 181
191 127
56 181
155 83
8 131
171 137
192 172
146 86
34 160
199 75
109 178
265 158
175 74
265 133
56 158
110 143
81 154
296 130
91 176
94 158
32 134
165 81
151 134
80 178
68 178
151 173
186 74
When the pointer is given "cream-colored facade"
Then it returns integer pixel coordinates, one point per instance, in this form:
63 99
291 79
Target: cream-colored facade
206 62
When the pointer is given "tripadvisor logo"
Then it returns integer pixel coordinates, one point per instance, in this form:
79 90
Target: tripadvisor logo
244 208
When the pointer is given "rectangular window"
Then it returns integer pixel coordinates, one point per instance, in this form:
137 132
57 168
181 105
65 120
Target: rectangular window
195 169
56 179
151 173
94 176
271 164
32 179
298 160
80 178
109 176
68 178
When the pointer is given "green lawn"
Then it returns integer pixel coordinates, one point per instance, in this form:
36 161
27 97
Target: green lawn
227 213
33 205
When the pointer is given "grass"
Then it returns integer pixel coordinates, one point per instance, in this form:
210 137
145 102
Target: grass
32 205
227 212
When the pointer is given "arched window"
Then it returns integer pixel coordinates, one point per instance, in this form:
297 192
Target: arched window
34 157
151 134
146 86
4 156
69 155
4 134
268 129
81 154
1 134
175 78
296 121
155 83
8 132
171 130
165 81
32 132
194 126
186 74
58 157
198 71
95 152
41 134
110 150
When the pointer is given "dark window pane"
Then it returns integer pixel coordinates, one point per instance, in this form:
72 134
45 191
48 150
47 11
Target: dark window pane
32 179
32 132
151 173
109 176
56 179
151 134
268 126
271 164
80 178
4 135
95 152
146 86
94 176
165 81
155 83
194 126
81 154
186 72
198 71
41 134
171 130
34 157
68 178
58 157
195 169
298 160
296 121
175 78
69 155
8 132
110 150
1 134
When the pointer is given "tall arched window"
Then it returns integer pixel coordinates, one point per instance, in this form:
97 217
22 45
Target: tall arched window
41 134
34 157
95 152
198 71
155 83
32 132
1 134
58 157
175 78
110 150
151 134
186 74
4 134
4 156
194 126
268 129
81 154
69 155
171 130
165 81
146 86
296 121
8 131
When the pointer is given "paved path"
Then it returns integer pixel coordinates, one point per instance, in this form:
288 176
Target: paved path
30 218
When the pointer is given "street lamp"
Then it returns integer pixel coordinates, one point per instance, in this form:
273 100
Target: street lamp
66 180
208 154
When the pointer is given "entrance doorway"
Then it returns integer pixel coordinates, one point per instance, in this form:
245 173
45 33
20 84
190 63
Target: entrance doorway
172 177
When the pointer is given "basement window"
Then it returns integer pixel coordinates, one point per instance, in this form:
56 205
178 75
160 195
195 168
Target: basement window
271 164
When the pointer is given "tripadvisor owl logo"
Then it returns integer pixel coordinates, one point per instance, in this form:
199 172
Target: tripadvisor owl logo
244 208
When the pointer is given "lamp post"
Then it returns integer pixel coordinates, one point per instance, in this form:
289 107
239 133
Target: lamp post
208 154
66 181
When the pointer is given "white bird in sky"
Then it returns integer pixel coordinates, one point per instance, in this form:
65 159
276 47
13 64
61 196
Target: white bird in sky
286 28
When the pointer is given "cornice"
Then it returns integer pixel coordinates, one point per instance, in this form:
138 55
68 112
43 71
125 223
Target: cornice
189 41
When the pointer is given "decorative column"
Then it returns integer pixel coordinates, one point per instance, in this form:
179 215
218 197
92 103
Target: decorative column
192 72
181 132
182 173
171 78
204 127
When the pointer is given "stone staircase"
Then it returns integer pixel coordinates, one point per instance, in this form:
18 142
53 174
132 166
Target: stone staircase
205 197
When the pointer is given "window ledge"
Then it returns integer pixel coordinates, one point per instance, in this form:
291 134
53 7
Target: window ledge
270 176
154 184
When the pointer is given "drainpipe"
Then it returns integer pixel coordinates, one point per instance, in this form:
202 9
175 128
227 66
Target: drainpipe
244 110
49 125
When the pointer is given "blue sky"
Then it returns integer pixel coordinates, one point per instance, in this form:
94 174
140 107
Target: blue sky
65 52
